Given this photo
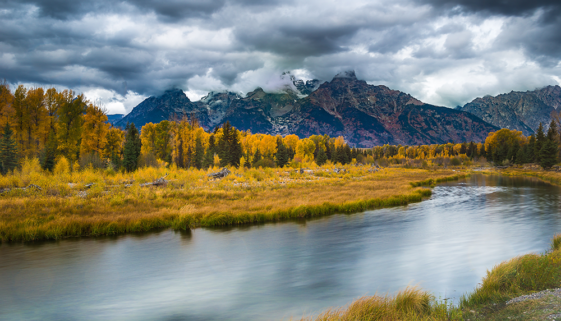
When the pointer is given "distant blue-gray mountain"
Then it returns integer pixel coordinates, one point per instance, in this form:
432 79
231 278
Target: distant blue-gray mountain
518 110
112 119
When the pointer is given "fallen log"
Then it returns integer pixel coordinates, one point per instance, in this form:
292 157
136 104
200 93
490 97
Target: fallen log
159 182
30 186
222 173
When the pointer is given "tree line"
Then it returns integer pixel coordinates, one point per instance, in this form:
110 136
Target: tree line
503 147
50 124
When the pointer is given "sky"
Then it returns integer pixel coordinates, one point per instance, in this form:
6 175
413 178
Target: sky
118 53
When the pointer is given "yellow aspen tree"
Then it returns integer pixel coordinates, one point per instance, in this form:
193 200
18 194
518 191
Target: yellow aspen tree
6 98
70 121
242 162
305 149
148 138
162 142
52 102
339 142
94 131
37 122
291 141
268 146
457 149
114 144
20 115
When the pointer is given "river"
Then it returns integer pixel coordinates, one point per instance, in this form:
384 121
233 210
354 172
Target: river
280 270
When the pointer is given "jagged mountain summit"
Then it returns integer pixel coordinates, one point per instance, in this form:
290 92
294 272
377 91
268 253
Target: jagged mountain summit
518 110
366 115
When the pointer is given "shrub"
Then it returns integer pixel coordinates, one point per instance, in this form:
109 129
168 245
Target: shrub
265 163
62 166
455 162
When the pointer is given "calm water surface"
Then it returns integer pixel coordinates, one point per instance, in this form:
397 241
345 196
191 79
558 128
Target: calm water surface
275 271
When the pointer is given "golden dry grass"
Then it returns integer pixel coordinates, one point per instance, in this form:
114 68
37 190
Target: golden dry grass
409 304
191 199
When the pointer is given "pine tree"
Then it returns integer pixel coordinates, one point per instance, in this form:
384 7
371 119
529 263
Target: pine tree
521 155
328 151
235 148
223 146
208 160
8 150
247 162
116 161
321 158
552 131
349 156
530 151
500 154
199 153
282 154
540 141
512 152
211 144
471 150
179 153
49 153
132 148
548 154
256 157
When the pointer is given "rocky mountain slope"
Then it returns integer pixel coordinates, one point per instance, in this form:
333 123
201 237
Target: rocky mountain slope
518 110
364 114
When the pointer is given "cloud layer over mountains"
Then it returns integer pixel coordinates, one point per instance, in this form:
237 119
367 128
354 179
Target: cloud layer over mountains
442 52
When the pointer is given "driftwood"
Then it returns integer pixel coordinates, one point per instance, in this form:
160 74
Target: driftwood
30 186
222 173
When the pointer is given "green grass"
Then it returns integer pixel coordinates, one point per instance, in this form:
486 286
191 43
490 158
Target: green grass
434 181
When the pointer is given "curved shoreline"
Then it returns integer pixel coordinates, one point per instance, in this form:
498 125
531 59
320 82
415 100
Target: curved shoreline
165 215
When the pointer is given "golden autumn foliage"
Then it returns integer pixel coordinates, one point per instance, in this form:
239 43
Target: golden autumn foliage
504 136
94 131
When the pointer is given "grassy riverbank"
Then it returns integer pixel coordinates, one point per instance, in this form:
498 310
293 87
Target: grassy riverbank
548 176
65 207
522 275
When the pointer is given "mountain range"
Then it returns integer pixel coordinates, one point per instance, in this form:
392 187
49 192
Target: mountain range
365 115
523 111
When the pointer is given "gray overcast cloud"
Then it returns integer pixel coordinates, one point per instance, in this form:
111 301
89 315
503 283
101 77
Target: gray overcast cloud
119 52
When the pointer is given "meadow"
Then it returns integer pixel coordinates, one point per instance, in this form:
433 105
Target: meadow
93 202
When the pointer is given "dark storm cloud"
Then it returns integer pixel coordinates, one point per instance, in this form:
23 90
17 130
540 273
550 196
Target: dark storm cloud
168 10
540 36
508 8
202 45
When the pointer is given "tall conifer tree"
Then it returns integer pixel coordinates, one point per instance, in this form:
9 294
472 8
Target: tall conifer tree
256 157
282 154
50 151
540 141
132 148
199 153
321 158
8 150
235 148
548 154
